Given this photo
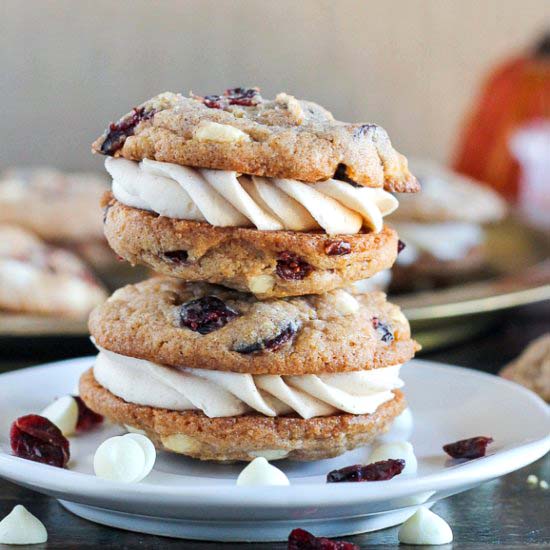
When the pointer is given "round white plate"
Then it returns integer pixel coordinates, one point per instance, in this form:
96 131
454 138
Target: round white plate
192 499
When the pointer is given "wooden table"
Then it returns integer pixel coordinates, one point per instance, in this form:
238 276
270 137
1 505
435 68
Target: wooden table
505 512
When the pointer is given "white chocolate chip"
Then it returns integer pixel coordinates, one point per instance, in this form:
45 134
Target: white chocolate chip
395 450
261 284
133 430
148 450
208 130
21 527
293 106
63 412
261 472
269 454
532 479
180 443
120 459
425 527
345 303
543 484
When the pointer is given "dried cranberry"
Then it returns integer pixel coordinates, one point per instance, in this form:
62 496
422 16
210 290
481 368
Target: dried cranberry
291 267
475 447
299 539
119 131
271 344
245 97
363 130
206 314
337 248
87 419
36 438
342 175
377 471
177 256
400 246
384 330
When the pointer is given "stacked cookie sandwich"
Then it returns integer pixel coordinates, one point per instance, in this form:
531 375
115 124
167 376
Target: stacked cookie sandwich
260 214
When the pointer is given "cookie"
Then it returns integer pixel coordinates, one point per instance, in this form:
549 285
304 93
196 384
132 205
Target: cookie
38 278
242 132
243 437
198 325
265 263
57 206
449 197
532 368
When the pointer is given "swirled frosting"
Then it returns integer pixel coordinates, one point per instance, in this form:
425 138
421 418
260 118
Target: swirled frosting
219 393
224 198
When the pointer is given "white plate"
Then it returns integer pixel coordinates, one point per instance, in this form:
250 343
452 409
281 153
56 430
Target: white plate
192 499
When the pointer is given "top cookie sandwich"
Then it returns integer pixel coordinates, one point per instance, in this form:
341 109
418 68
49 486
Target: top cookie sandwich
250 193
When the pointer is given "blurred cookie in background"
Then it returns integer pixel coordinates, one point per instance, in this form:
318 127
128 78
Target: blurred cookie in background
442 228
61 208
532 368
37 278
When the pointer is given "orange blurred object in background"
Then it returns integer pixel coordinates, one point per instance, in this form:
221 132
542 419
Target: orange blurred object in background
516 93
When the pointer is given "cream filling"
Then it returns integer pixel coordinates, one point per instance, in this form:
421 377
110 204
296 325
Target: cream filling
224 198
446 241
219 393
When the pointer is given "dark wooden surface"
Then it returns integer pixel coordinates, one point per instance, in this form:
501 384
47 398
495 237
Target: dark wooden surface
505 512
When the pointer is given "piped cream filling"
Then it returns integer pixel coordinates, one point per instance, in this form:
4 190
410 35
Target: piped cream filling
226 199
221 394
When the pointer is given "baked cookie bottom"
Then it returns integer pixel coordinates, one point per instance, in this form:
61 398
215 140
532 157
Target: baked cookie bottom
243 438
269 264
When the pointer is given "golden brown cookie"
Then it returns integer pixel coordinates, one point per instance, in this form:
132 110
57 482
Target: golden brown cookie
266 263
241 131
203 326
243 437
532 368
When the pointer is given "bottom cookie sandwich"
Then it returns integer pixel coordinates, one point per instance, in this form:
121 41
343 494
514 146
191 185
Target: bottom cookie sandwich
218 375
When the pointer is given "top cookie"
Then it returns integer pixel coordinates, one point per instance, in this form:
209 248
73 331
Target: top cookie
241 131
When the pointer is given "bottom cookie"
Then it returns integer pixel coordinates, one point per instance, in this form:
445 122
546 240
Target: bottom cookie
243 437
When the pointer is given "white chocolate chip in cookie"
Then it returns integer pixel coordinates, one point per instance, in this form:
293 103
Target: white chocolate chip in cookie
261 284
21 527
208 130
345 303
180 443
425 527
293 106
270 454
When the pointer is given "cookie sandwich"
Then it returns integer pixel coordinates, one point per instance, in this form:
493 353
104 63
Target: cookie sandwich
443 228
216 374
260 215
253 194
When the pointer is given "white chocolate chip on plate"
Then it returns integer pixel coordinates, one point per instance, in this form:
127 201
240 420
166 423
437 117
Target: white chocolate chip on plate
21 527
63 412
425 527
128 458
396 450
261 472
